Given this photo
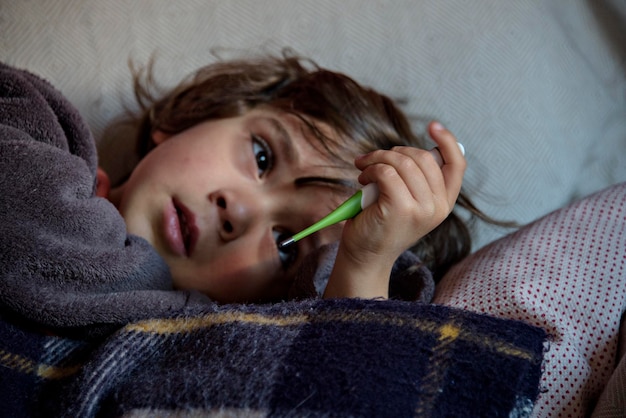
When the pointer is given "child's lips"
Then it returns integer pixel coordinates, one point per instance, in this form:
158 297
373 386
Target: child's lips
180 229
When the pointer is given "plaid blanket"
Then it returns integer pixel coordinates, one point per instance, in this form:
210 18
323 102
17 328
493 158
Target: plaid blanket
316 358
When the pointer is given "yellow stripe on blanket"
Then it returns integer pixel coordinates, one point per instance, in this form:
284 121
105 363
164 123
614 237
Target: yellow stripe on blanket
448 331
27 366
181 325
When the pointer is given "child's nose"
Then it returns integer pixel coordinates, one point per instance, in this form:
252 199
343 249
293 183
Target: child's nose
237 213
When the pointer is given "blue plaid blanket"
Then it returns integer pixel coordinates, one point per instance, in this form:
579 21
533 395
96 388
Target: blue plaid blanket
316 358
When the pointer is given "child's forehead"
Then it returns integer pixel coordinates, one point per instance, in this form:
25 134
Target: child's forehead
292 121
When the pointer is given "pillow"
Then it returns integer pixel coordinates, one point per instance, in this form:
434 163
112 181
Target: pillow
565 273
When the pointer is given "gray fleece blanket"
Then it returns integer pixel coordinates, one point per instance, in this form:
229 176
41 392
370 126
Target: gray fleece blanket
66 261
90 324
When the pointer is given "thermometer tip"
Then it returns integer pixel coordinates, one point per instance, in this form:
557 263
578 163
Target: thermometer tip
286 243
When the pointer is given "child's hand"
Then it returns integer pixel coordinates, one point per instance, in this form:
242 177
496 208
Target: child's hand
416 195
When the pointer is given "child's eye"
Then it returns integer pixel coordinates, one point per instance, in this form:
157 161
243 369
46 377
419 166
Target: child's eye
262 154
287 255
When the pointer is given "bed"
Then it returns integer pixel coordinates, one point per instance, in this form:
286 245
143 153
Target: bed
536 93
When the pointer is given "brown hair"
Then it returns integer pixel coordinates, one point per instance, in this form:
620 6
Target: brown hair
365 120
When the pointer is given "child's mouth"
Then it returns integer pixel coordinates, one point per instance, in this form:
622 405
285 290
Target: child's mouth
188 229
184 229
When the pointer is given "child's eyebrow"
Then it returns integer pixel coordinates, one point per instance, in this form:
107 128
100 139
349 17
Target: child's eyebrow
284 140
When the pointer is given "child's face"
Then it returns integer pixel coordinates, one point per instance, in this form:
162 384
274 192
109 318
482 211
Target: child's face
215 199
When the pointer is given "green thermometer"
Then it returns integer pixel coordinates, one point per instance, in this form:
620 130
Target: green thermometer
351 207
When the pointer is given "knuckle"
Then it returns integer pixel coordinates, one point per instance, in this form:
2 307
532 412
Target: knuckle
406 164
378 154
424 156
400 148
386 171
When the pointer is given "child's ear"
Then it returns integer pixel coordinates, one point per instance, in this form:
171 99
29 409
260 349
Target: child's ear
158 137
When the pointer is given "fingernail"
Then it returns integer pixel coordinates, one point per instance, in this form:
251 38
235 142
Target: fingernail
437 126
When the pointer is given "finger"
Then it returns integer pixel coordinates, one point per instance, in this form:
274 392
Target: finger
397 157
424 162
416 168
454 160
395 194
451 151
428 163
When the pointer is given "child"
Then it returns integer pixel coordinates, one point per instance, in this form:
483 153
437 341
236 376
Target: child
247 153
233 160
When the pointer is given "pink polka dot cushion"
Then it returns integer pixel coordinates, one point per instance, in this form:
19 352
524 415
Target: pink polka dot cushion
566 273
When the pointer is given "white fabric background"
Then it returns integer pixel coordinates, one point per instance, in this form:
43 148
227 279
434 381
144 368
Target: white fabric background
535 90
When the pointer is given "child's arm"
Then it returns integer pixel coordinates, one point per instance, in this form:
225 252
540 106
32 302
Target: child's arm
415 197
